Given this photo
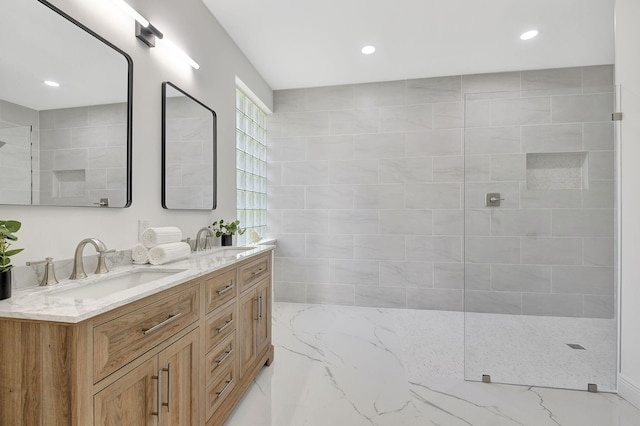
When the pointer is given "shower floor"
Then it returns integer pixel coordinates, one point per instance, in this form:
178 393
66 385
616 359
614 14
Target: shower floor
532 350
343 365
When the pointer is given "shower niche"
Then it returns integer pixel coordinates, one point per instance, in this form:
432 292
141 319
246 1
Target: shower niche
557 171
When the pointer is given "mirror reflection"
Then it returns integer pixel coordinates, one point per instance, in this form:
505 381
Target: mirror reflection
188 151
65 111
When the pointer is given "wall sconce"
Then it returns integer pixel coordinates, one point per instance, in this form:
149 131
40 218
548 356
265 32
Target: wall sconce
147 33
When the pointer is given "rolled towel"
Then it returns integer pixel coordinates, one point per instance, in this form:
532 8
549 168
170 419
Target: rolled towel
156 236
170 252
140 254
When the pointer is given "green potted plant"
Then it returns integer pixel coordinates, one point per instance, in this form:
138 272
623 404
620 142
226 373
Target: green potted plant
226 230
7 230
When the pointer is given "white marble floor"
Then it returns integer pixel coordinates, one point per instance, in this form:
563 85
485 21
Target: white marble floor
347 366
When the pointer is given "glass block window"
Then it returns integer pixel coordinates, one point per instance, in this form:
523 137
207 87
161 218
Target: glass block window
251 167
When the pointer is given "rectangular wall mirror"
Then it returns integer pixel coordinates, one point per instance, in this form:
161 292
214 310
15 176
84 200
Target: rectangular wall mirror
65 111
188 151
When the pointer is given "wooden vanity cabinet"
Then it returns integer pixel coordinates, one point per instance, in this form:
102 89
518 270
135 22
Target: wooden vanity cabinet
160 391
181 357
255 323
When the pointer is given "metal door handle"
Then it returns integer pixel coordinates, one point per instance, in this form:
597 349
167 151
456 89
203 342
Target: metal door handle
158 396
168 403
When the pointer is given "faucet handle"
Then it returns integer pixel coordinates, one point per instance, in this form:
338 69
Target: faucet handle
188 241
49 276
102 264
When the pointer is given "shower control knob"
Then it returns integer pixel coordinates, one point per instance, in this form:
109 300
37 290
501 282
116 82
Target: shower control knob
493 199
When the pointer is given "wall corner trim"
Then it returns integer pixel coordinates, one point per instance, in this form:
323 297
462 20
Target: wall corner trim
629 390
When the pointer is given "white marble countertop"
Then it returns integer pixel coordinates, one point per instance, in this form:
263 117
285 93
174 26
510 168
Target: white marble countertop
42 303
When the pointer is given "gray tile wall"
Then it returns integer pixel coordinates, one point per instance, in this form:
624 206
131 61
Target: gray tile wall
18 130
79 164
372 186
189 154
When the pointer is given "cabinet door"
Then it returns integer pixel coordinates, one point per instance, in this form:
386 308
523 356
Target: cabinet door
263 325
246 335
131 400
179 392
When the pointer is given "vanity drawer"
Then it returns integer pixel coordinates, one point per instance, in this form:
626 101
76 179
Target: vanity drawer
219 290
254 271
220 357
219 326
123 339
220 389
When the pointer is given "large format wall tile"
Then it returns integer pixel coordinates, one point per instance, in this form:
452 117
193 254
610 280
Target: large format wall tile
434 90
378 192
521 278
330 294
406 274
493 302
434 142
582 108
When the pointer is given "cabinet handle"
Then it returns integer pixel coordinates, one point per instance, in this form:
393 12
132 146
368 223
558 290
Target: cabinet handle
254 273
257 309
224 358
162 324
158 396
224 290
225 326
260 307
168 403
224 389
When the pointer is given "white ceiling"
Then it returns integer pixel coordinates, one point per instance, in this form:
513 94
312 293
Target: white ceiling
296 43
37 44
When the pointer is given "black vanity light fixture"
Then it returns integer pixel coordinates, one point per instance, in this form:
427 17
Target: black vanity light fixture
148 34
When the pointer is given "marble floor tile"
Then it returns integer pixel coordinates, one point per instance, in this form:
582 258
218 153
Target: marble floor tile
350 366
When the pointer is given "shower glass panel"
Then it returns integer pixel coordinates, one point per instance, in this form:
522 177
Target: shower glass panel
16 163
539 237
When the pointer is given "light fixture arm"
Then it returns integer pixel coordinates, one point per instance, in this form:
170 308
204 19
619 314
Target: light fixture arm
148 34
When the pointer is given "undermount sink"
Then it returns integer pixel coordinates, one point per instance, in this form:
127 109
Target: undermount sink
229 252
106 286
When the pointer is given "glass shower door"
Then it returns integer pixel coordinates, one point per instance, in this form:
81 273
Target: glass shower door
539 238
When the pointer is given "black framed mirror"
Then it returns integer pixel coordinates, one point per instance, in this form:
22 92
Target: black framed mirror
65 111
188 151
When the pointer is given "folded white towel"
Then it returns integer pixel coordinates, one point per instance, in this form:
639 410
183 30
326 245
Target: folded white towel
156 236
140 254
166 253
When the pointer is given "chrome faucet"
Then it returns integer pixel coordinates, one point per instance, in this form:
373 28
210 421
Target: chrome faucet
78 265
199 246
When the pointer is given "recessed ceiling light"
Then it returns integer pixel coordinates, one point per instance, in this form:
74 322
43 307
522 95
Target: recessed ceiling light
368 50
51 83
528 35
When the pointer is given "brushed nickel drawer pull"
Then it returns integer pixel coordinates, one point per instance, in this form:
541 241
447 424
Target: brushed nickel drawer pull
162 324
224 389
224 358
224 290
257 272
225 326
